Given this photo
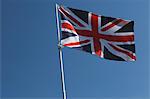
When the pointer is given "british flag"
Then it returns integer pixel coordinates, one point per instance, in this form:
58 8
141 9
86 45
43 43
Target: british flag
106 37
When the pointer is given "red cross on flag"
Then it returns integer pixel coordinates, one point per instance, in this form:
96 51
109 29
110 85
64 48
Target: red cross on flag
106 37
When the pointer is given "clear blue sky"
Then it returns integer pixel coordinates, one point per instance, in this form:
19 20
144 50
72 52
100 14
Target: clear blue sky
30 61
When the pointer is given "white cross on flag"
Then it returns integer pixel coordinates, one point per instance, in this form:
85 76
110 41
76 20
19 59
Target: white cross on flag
106 37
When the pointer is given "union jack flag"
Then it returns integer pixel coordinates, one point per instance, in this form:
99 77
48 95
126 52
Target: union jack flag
106 37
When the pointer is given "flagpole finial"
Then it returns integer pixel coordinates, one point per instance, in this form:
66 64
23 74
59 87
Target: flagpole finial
57 5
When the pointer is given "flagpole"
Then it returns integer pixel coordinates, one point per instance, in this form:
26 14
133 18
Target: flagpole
61 57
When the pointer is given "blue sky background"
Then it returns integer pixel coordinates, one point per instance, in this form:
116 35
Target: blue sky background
30 61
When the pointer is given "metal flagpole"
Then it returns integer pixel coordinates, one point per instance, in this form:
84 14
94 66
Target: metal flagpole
61 57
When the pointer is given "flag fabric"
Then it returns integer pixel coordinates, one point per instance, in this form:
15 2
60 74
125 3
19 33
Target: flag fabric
107 37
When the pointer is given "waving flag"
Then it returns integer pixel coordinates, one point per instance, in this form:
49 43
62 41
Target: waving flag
106 37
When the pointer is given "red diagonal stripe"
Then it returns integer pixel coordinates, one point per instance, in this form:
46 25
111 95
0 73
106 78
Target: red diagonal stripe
67 26
131 55
112 25
72 18
77 43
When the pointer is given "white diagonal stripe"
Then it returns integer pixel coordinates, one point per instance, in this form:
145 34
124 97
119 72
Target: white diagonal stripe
75 17
115 52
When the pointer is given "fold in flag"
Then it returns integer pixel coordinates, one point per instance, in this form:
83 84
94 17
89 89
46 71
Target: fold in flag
106 37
